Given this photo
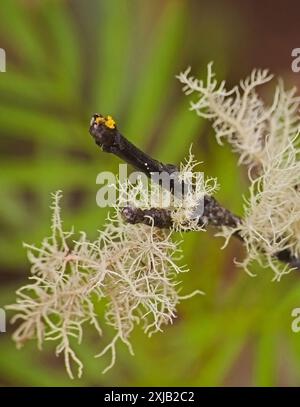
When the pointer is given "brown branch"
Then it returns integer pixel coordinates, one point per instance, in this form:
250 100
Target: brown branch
214 214
158 217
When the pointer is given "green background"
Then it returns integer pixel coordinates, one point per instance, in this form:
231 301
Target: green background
69 59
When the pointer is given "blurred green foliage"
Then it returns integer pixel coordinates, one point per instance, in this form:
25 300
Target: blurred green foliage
69 59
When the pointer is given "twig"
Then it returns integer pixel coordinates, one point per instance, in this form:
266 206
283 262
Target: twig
158 217
106 135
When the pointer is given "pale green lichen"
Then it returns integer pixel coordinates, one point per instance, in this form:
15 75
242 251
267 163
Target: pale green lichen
133 268
266 139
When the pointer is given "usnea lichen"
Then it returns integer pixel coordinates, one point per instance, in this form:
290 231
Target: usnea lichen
186 207
267 140
133 268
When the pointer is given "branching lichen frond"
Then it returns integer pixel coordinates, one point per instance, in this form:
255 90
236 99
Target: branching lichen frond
132 267
186 207
266 138
187 213
272 211
240 116
57 302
